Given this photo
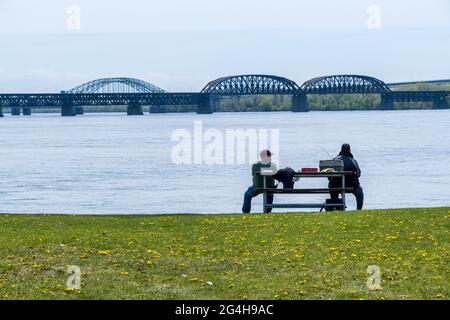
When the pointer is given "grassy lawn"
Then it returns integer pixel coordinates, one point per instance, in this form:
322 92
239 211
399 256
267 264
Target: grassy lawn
291 256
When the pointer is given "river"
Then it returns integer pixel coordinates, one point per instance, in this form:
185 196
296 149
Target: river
116 164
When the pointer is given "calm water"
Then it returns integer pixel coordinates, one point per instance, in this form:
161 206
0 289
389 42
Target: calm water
111 163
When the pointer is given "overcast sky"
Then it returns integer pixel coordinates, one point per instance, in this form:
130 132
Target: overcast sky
180 45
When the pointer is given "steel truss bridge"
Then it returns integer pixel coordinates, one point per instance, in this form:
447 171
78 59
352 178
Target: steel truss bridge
136 93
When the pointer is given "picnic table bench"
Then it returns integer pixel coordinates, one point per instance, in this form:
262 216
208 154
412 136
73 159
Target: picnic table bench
340 175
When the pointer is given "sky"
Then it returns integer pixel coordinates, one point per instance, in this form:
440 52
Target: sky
181 45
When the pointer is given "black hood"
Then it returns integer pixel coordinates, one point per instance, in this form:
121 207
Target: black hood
346 154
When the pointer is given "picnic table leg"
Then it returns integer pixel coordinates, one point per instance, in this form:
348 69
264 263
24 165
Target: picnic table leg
344 202
265 194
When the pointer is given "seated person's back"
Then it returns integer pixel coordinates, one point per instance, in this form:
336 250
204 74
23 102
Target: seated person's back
350 164
258 178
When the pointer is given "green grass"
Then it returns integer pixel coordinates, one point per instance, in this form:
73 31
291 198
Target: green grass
290 256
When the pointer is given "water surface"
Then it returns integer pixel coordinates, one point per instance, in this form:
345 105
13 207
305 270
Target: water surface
111 163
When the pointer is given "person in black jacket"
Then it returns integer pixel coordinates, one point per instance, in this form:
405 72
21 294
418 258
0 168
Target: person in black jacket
350 164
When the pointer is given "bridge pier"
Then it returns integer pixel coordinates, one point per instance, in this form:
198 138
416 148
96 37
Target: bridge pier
134 109
387 102
157 109
215 103
79 110
15 111
27 111
68 109
205 105
1 112
440 104
300 103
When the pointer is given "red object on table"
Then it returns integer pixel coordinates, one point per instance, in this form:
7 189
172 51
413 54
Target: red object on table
307 170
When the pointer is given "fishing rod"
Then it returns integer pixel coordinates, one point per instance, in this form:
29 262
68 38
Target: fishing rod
331 157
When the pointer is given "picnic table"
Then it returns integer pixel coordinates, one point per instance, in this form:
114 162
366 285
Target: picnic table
337 174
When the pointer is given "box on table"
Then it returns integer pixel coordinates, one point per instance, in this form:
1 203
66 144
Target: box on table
337 165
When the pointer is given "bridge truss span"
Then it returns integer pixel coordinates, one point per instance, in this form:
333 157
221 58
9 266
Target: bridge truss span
251 84
345 84
117 85
145 99
30 100
418 96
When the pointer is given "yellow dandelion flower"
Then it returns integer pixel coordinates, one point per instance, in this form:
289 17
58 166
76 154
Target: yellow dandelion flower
154 253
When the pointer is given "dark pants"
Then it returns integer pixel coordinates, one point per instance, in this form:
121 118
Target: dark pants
359 195
249 195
